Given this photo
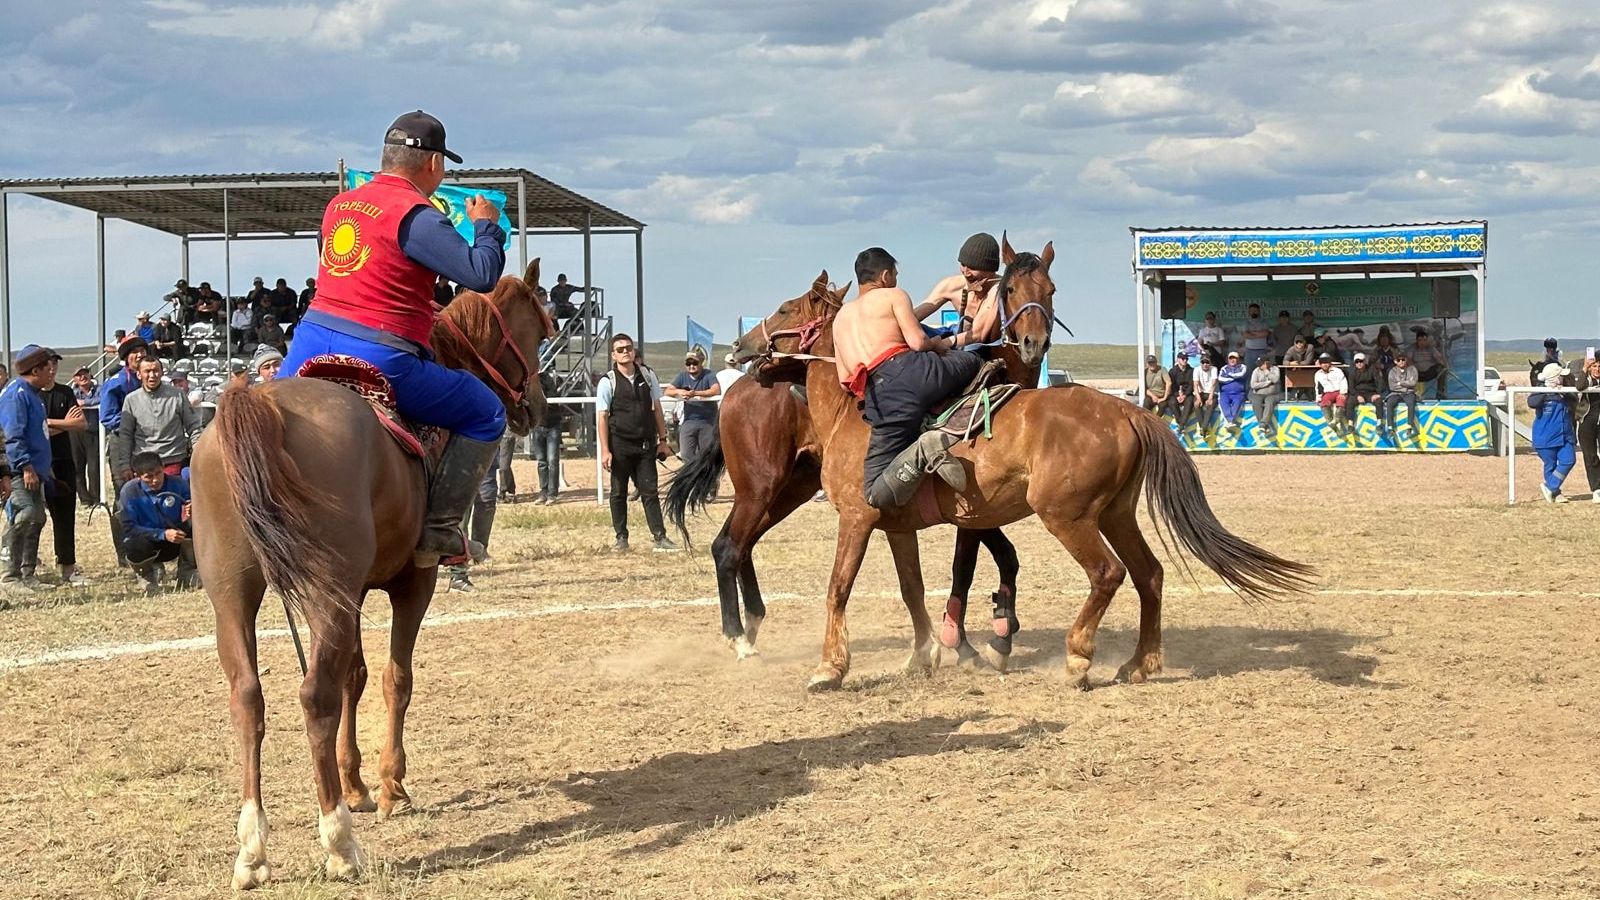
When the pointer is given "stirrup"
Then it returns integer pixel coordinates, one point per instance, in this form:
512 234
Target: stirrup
935 447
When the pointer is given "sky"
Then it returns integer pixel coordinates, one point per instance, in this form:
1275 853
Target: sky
763 141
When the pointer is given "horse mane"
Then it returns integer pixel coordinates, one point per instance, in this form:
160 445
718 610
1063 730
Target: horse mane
473 314
1021 265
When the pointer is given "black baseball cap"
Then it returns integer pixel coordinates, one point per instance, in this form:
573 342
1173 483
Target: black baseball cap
420 130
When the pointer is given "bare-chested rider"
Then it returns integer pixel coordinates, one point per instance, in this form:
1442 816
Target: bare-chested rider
970 292
885 359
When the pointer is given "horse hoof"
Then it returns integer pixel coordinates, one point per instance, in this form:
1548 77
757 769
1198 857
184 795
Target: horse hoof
347 867
997 653
744 648
362 802
752 627
920 662
401 806
1078 672
248 877
825 681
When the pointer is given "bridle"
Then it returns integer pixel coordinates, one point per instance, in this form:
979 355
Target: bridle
806 332
515 396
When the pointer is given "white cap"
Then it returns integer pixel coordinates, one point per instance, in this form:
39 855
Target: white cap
1361 357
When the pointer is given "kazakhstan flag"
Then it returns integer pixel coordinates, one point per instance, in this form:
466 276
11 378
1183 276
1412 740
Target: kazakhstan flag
450 199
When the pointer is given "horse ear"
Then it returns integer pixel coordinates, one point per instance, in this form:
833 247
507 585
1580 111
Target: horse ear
1048 254
838 295
531 277
820 285
1007 255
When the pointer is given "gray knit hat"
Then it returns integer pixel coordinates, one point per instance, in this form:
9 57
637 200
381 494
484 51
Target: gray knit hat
981 252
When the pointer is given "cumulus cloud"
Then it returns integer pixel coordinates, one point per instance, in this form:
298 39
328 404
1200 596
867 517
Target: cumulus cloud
699 200
1155 103
347 23
1518 107
1526 32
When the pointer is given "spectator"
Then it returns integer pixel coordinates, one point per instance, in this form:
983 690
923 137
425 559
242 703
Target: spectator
729 374
1327 344
1264 390
156 508
1212 339
267 362
1157 386
502 465
561 297
546 438
5 376
632 439
146 330
1180 398
22 418
183 300
241 326
180 380
1383 352
1332 389
1552 354
1553 437
480 524
1430 364
1256 335
1402 387
1588 385
1205 393
1300 354
156 419
1366 386
259 298
697 417
304 303
1309 327
442 294
208 305
270 334
167 341
1282 337
86 443
112 395
281 303
64 419
1232 380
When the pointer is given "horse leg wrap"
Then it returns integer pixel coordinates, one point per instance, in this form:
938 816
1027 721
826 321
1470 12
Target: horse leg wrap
955 609
1006 625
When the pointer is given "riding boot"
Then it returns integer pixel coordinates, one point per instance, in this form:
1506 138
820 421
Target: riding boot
898 483
482 522
455 484
188 572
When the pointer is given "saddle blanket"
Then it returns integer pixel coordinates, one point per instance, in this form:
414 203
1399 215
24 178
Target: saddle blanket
371 385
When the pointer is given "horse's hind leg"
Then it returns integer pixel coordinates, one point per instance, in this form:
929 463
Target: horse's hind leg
908 568
1082 539
409 599
236 600
1121 528
356 795
322 696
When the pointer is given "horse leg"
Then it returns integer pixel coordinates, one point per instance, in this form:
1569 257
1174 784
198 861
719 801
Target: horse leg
409 601
797 492
731 553
953 625
236 601
908 568
1082 539
1121 528
997 650
322 696
356 795
848 552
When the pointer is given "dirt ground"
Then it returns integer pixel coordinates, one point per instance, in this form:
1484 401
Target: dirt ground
1422 724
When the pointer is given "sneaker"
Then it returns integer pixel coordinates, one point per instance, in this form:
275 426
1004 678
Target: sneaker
621 546
1595 497
461 583
665 546
1562 499
76 580
1549 495
32 583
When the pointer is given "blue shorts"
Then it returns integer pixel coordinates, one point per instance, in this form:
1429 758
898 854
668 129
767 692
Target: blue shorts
424 391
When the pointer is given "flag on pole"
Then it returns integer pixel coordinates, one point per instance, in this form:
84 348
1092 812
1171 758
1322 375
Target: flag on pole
450 199
700 339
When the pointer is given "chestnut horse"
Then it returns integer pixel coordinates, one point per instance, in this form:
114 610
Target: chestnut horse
765 440
299 487
1075 457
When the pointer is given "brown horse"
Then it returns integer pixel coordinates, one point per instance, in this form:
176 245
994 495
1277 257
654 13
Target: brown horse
298 487
1075 457
771 453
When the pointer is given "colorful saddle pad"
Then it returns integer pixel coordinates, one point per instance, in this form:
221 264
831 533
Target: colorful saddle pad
373 386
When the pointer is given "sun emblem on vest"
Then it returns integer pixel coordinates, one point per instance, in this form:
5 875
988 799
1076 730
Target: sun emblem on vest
342 250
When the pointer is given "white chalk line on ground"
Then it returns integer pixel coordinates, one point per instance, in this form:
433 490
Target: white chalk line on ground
102 652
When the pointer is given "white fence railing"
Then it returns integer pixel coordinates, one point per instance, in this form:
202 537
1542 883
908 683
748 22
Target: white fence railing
1510 431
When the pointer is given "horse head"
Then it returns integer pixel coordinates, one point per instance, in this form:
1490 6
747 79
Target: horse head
793 329
497 336
1026 295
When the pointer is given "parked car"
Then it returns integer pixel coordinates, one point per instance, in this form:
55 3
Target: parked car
1492 387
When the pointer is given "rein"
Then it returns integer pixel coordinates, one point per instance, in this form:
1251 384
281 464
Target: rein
807 334
518 397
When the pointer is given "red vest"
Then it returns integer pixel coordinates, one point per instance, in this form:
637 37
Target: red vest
362 275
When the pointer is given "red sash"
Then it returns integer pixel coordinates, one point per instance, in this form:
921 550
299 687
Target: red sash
857 385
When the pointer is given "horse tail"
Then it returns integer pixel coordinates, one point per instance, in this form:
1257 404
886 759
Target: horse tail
693 485
278 511
1176 499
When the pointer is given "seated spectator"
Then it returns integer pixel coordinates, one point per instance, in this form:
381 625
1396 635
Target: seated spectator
1156 385
241 326
168 340
1213 340
1232 381
145 329
1402 387
1264 390
1366 386
1383 351
1327 343
1205 393
1332 389
1300 354
182 298
304 303
180 380
208 305
1430 364
259 297
155 524
1309 329
271 335
1180 401
561 297
267 361
1554 437
281 302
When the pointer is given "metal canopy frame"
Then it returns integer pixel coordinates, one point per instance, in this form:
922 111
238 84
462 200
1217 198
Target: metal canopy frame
289 206
1149 273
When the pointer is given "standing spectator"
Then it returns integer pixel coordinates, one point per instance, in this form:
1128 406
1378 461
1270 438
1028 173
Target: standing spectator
156 507
22 418
267 362
1180 399
632 439
1309 327
1402 387
64 420
1366 386
697 418
1553 437
729 374
86 458
1264 390
1332 388
304 303
241 325
546 443
1588 384
1300 354
112 394
1157 386
1232 380
1552 354
442 293
157 419
1205 393
1430 364
1212 338
167 342
1282 336
1256 335
1383 353
270 334
146 330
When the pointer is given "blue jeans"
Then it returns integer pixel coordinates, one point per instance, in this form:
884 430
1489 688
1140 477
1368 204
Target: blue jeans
425 391
546 443
1558 461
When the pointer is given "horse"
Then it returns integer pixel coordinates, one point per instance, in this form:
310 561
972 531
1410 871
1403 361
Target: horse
298 486
1071 455
766 443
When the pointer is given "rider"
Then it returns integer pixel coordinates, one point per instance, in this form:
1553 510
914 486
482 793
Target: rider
970 291
884 358
383 245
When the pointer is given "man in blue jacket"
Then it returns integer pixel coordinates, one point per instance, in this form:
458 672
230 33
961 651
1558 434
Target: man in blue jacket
117 387
155 524
22 417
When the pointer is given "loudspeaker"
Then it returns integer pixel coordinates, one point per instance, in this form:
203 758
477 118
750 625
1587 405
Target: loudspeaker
1447 298
1174 299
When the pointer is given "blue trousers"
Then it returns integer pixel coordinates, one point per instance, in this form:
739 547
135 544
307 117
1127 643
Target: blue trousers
425 391
1558 461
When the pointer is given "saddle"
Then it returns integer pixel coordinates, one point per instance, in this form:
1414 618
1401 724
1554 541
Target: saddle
971 413
371 385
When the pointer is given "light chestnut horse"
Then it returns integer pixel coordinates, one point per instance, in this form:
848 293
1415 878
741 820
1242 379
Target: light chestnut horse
298 487
1071 455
